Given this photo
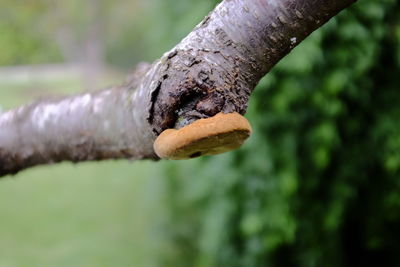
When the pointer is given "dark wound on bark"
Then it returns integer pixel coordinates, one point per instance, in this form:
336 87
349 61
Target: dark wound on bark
215 68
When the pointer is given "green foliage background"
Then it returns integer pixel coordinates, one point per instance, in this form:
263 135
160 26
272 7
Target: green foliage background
317 184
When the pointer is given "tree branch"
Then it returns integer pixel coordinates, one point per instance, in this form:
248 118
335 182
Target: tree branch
215 68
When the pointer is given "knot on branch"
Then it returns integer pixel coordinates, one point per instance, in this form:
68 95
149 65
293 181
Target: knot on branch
194 85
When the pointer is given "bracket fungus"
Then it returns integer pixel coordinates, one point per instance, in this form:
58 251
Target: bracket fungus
210 136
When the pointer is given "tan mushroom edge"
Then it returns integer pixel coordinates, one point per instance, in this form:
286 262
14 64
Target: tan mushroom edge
218 134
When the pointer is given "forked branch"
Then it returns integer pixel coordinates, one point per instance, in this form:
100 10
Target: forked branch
214 69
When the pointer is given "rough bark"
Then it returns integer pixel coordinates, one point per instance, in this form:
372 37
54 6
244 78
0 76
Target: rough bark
215 68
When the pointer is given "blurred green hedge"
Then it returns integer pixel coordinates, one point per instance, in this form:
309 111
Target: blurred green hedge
318 183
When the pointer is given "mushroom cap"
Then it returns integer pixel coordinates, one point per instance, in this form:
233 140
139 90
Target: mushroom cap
210 136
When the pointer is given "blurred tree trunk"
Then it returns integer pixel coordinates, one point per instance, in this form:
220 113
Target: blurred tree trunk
83 47
93 53
214 69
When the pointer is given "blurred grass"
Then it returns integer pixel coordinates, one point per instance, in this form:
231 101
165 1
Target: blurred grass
90 214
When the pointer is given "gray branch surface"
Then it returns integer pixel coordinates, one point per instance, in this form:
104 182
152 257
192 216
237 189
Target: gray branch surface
214 69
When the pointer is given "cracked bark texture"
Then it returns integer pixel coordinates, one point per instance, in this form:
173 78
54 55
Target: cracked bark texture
214 69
